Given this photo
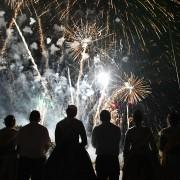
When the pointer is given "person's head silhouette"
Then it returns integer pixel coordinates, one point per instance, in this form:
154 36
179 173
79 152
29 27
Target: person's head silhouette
173 118
9 121
137 117
35 116
71 111
105 116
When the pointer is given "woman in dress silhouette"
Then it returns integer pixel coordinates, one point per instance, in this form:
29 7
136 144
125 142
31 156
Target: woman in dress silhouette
140 151
70 158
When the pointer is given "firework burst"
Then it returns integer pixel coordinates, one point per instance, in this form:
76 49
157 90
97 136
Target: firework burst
134 90
80 37
129 23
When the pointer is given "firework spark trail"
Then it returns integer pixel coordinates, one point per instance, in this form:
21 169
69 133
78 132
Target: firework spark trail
42 108
41 38
63 13
177 1
42 44
31 57
13 3
9 32
100 102
102 105
131 26
69 79
104 80
80 75
174 57
44 50
82 36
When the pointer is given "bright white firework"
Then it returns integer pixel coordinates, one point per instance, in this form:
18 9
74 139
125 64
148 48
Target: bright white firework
103 78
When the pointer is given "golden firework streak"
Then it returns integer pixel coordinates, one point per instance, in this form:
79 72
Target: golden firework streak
9 32
30 55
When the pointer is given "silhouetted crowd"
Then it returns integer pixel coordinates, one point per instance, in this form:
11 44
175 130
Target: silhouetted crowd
23 153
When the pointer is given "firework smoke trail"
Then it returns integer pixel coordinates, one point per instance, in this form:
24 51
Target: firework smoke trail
42 108
82 37
80 41
27 48
69 79
85 45
41 38
42 44
31 57
9 32
103 79
100 102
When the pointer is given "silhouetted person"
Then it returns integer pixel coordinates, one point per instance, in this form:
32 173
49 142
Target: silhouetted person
170 147
70 160
69 129
140 152
33 142
106 139
8 153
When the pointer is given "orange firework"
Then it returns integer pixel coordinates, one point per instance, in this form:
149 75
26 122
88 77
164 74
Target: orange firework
134 90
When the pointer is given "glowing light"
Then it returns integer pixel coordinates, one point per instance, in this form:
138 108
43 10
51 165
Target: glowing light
103 78
128 86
